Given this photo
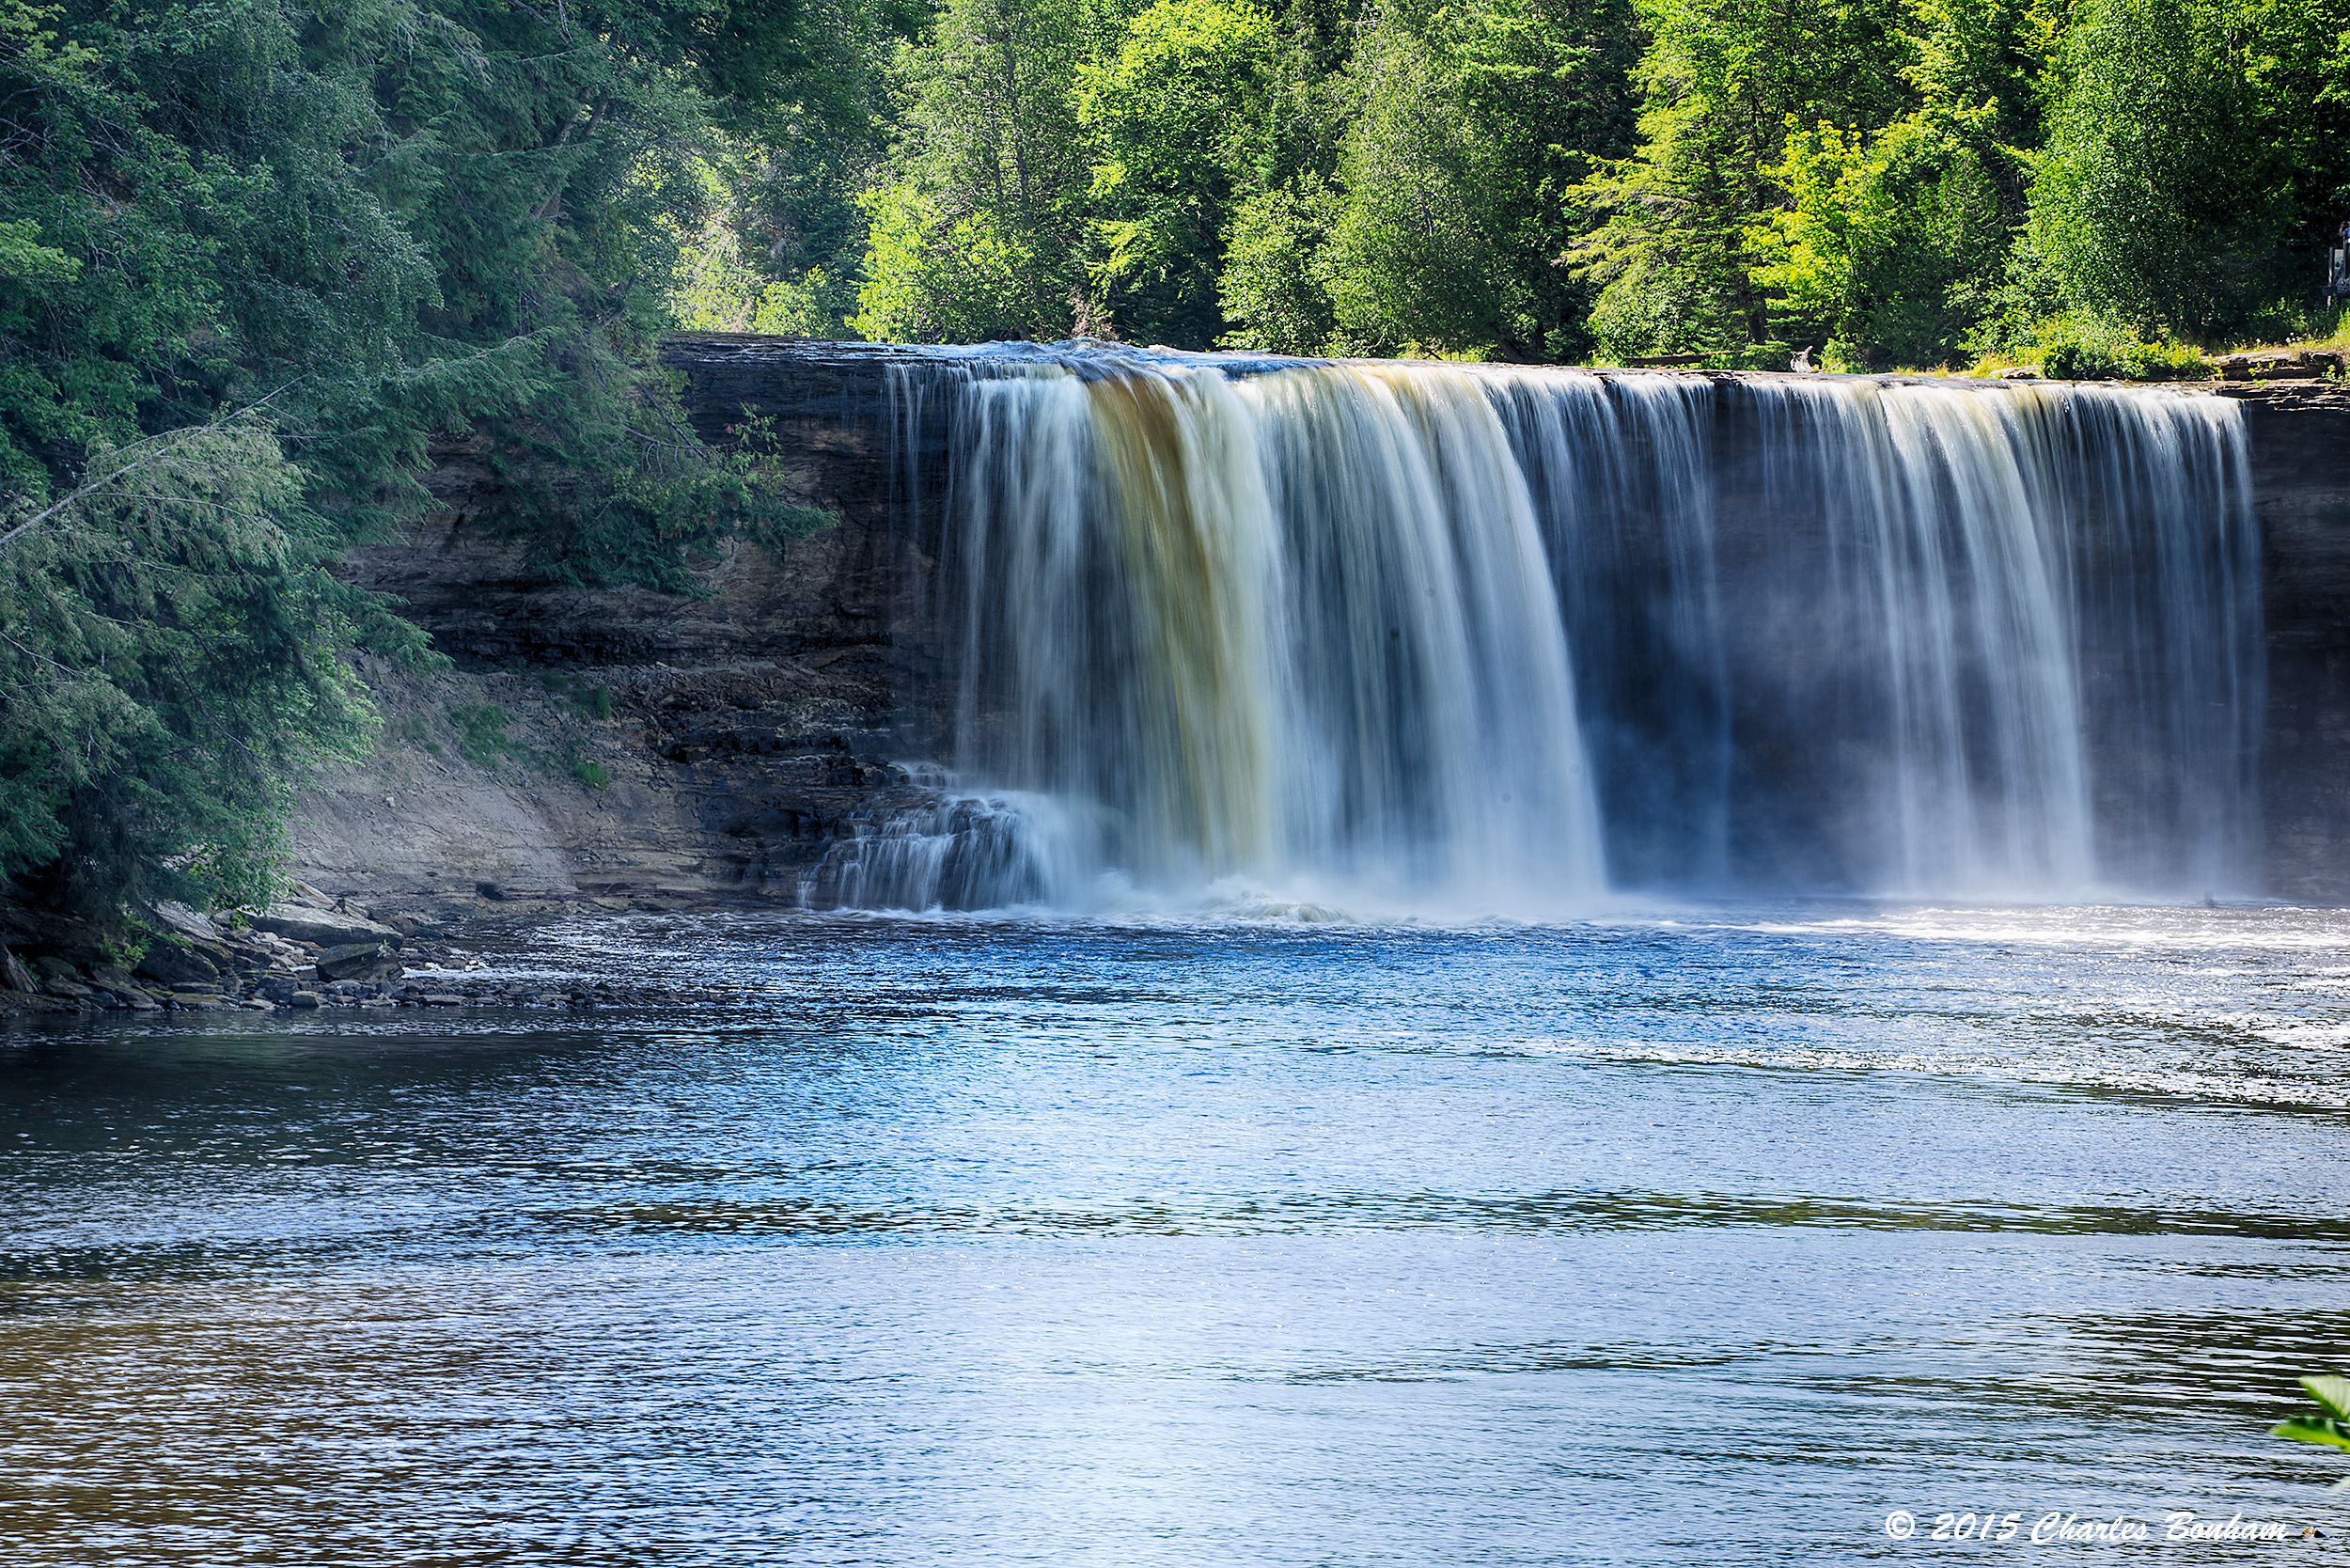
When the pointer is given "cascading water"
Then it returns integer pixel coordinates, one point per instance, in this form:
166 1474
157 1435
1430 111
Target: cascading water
1471 638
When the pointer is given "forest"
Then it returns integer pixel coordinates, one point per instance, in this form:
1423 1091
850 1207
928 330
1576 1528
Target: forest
265 264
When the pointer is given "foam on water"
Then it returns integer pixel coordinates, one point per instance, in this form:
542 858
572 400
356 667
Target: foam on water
1396 638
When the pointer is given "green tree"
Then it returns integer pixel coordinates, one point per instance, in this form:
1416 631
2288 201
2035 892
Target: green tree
1721 83
1891 244
1184 115
2196 157
2160 203
1274 286
800 92
1472 126
1889 248
266 264
172 658
979 224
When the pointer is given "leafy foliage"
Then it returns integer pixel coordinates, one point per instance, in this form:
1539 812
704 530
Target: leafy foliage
172 655
1184 120
1887 182
2331 1427
1887 249
265 261
1275 285
266 264
980 231
1473 126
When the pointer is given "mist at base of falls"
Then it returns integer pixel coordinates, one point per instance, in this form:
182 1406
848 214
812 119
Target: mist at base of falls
1405 637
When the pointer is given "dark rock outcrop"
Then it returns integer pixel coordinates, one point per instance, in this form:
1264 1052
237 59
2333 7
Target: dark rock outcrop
657 746
744 728
2300 441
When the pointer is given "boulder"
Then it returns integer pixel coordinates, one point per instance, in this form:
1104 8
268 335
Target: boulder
181 920
304 1000
176 964
325 927
359 960
29 1001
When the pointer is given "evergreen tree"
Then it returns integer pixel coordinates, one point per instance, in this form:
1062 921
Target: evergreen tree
1185 117
1722 82
980 229
263 262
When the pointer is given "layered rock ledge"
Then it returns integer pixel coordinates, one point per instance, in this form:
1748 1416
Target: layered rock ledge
622 750
746 727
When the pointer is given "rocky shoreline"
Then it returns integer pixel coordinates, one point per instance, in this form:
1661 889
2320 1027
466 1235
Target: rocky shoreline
615 749
310 953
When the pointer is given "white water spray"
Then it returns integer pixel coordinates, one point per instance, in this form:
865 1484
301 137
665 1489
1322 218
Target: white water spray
1425 636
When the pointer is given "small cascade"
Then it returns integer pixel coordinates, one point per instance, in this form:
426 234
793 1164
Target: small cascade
1289 631
936 846
1498 639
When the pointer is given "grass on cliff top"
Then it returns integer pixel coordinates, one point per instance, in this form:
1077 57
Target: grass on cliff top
2072 349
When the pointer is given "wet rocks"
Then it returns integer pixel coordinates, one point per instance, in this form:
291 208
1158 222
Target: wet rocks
197 1000
325 927
357 961
199 965
175 962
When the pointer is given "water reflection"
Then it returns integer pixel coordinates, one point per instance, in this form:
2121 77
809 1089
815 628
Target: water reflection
1684 1237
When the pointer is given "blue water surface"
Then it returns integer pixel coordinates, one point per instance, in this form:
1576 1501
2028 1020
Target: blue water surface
1702 1236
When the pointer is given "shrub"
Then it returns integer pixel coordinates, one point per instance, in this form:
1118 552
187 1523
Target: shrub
2072 349
481 737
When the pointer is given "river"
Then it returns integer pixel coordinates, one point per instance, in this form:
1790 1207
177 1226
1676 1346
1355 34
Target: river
1697 1234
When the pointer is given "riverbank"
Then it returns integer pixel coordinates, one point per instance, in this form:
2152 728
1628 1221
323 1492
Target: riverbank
313 952
589 744
947 1243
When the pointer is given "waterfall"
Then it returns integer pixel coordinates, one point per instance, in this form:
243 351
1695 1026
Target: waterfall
1463 637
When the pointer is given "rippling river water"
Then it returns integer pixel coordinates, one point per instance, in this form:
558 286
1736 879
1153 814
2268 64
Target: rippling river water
1703 1238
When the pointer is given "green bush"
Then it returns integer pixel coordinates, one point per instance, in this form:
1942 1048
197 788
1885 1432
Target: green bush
2069 350
2331 1427
481 737
594 701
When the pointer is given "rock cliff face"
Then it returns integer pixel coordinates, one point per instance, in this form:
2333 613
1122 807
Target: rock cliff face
625 745
621 745
2300 438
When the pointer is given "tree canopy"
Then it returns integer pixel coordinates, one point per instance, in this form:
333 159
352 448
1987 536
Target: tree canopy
260 263
264 263
1882 182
